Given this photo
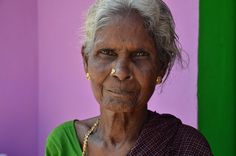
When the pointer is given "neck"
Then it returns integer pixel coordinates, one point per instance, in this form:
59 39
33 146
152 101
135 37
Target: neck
117 128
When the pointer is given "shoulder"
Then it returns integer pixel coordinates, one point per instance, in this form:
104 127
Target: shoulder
82 127
184 140
189 141
70 129
61 131
62 139
66 138
164 122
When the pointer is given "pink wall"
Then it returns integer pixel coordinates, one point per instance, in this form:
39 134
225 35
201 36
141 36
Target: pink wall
179 96
18 77
64 93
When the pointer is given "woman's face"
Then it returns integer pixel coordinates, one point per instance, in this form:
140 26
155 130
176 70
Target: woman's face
125 45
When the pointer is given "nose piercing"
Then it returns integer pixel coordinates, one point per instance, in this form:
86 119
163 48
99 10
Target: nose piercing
112 71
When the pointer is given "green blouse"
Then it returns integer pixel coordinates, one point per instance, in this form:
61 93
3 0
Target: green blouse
63 141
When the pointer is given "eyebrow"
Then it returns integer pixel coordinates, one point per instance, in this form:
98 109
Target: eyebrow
130 51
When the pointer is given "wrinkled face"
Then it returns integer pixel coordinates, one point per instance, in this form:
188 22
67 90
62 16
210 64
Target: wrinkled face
125 45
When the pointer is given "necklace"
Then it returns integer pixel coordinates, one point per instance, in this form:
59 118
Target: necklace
85 142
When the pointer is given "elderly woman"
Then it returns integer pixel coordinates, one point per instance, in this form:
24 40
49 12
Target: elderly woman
129 48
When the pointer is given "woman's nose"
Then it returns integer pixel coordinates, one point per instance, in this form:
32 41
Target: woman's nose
122 70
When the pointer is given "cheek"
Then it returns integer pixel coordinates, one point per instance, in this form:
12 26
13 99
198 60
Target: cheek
146 76
98 73
146 72
147 89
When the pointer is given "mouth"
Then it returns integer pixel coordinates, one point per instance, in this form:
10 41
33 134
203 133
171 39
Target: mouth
121 93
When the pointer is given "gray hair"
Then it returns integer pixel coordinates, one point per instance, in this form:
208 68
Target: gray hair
157 18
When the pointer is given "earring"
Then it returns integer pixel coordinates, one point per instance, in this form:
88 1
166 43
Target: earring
159 79
88 76
112 71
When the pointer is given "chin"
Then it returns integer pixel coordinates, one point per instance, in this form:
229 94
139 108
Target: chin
119 106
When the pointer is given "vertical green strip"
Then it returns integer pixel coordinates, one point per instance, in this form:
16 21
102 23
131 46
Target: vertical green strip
217 75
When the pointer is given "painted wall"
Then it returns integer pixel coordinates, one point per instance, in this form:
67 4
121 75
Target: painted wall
64 93
18 77
179 94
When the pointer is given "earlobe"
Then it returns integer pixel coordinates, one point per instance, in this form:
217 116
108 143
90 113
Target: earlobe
85 58
159 80
161 70
162 73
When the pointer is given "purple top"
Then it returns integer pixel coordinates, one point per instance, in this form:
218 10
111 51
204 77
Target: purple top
166 135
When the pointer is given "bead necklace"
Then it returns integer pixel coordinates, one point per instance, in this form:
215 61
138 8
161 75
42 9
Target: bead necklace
85 142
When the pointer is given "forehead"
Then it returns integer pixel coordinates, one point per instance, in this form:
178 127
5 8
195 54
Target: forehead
127 30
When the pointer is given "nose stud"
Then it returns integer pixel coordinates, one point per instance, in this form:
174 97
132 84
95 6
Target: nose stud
112 71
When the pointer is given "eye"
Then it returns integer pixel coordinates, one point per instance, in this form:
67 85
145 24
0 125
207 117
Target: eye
109 52
140 53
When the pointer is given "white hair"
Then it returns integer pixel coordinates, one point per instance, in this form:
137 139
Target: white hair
157 18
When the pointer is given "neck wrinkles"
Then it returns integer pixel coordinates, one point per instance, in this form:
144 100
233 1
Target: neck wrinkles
116 129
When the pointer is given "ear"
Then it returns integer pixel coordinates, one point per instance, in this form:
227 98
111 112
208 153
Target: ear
85 58
162 68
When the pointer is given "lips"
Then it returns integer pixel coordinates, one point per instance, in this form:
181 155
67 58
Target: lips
122 93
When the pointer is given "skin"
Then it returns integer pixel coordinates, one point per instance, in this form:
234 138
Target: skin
125 45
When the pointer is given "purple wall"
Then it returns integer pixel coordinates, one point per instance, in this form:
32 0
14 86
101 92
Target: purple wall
18 77
179 95
64 93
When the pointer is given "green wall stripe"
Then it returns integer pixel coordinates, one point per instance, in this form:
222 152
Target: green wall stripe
217 75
